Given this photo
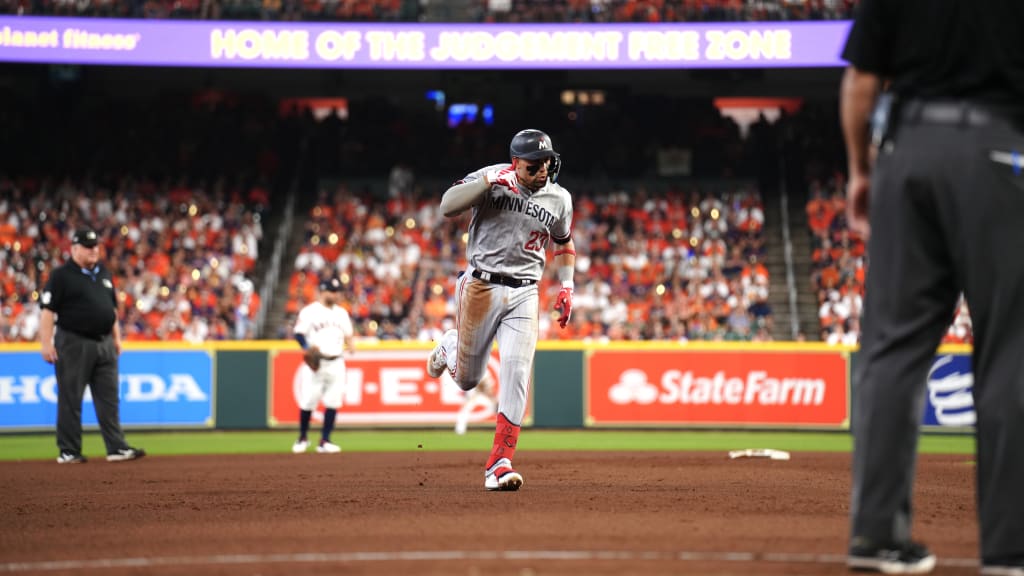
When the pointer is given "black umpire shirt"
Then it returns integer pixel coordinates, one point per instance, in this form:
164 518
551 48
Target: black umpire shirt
942 49
84 302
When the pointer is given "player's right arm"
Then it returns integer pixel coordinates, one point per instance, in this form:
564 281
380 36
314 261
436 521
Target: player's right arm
301 329
51 299
468 192
348 333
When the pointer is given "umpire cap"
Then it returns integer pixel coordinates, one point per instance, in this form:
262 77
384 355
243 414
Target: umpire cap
85 237
330 285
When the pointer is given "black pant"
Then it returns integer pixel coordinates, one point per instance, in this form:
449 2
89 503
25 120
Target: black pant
82 361
947 210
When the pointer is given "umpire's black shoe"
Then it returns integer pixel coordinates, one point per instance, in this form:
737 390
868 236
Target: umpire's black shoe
1003 567
71 458
125 454
905 558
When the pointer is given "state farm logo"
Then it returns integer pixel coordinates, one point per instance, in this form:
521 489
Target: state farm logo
755 387
949 391
633 387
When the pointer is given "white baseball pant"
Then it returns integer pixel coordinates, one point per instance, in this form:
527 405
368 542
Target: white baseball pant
326 384
487 311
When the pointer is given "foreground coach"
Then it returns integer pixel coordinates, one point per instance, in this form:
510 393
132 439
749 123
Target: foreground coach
944 206
80 299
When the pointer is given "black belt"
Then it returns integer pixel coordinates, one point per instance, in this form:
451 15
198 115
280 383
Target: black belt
504 280
958 113
330 357
98 338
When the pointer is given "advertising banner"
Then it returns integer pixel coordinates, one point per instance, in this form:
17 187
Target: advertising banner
158 388
382 388
950 403
784 389
115 41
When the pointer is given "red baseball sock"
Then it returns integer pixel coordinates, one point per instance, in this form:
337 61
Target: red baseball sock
506 436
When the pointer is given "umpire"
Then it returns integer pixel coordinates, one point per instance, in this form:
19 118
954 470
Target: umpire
945 215
79 298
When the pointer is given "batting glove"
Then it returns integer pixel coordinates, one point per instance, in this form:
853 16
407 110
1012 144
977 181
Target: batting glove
563 304
506 178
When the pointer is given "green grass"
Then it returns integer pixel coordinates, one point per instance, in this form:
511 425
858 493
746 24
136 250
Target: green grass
42 446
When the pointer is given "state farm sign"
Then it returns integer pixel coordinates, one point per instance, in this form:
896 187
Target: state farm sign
723 388
382 387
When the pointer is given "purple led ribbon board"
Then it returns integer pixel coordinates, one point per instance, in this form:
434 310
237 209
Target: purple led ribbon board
232 44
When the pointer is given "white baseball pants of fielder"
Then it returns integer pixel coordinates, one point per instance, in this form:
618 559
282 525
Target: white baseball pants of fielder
475 399
327 384
487 311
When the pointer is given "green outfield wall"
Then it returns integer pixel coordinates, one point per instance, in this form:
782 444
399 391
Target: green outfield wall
251 385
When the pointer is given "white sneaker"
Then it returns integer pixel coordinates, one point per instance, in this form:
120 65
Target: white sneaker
503 478
436 363
300 446
328 448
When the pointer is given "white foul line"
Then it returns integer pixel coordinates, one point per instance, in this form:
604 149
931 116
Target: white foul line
444 555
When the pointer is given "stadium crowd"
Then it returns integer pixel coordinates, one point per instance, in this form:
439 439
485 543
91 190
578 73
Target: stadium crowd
178 190
419 10
181 255
678 265
839 263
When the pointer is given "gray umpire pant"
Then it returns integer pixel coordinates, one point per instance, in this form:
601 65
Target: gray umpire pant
84 361
947 214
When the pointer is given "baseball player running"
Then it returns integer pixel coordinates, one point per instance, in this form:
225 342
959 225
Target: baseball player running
322 329
517 208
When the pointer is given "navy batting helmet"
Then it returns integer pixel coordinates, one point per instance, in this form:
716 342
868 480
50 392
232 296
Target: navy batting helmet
534 145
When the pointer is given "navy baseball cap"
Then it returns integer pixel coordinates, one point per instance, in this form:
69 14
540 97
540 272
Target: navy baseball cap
86 237
330 285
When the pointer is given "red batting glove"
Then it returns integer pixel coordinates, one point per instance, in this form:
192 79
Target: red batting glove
563 304
506 178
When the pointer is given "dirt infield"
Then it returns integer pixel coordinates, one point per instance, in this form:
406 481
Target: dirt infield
427 513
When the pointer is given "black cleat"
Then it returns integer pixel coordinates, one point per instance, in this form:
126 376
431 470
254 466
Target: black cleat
71 458
905 558
126 454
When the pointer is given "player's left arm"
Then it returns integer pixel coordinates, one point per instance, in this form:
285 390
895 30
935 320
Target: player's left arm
348 332
565 267
116 332
564 260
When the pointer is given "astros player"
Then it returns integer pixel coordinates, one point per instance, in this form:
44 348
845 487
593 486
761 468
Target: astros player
517 209
480 397
324 330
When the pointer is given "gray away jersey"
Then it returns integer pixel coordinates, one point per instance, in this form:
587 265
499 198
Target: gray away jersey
511 229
